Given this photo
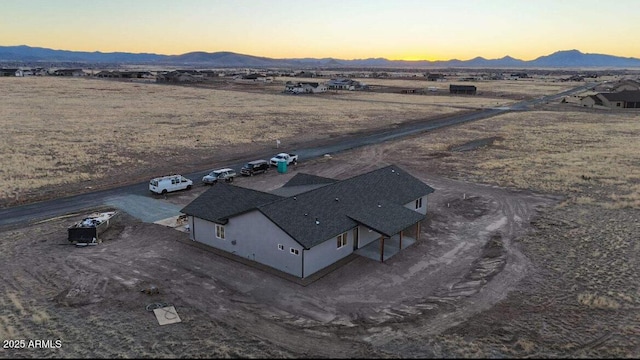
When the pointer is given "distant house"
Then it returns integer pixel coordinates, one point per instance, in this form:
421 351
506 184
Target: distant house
69 72
345 84
410 91
615 100
626 85
435 77
520 75
253 78
304 87
590 101
125 74
180 76
312 222
462 89
11 72
621 100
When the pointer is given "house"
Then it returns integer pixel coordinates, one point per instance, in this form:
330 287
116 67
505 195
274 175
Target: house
462 89
435 77
180 76
344 84
11 72
312 222
626 85
253 78
69 72
624 99
589 101
304 87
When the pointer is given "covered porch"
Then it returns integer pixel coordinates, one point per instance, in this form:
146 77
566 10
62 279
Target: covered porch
386 247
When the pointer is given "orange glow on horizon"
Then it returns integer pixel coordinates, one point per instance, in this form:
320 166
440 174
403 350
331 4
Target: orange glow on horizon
412 57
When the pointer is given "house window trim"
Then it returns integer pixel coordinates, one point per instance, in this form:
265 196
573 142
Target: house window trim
419 203
342 240
294 251
280 247
220 231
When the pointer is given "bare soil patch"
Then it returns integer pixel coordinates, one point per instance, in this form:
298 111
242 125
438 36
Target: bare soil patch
357 310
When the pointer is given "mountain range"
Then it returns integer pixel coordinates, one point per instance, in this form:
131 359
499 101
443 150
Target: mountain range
561 59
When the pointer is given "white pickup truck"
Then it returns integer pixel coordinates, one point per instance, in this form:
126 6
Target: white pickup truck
288 158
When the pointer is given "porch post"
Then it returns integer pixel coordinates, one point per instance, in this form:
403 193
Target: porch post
400 239
417 231
382 249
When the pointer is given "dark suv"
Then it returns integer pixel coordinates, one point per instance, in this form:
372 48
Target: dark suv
254 167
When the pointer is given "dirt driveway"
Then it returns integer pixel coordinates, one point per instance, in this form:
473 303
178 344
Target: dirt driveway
90 297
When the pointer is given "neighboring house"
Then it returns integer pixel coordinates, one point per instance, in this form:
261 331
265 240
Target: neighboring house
622 85
125 74
312 222
626 85
11 72
590 101
253 78
180 76
520 75
344 84
304 87
462 89
623 99
435 77
69 72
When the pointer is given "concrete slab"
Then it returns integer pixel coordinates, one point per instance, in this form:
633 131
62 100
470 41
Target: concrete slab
144 208
179 223
167 315
391 248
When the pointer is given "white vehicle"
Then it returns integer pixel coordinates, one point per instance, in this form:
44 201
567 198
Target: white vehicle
169 183
288 158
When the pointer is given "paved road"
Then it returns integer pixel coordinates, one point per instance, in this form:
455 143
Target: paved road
23 214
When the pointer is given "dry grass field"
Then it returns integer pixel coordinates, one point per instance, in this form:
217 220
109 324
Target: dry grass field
581 298
592 157
58 131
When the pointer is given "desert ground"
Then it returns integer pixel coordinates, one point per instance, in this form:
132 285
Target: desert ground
530 247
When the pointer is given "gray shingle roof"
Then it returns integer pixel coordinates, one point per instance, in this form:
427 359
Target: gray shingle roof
222 201
308 179
317 215
623 96
357 198
387 218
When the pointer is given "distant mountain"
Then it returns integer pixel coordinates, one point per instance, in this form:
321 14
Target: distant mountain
574 58
561 59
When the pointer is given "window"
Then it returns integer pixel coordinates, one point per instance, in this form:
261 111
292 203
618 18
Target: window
419 203
294 251
220 231
342 240
280 247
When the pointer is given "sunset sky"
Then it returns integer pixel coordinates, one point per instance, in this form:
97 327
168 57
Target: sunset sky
343 29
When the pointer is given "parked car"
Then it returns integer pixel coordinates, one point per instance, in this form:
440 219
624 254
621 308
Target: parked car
254 167
225 174
169 183
288 158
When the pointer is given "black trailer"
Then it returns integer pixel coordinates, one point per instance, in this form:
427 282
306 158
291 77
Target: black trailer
88 230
